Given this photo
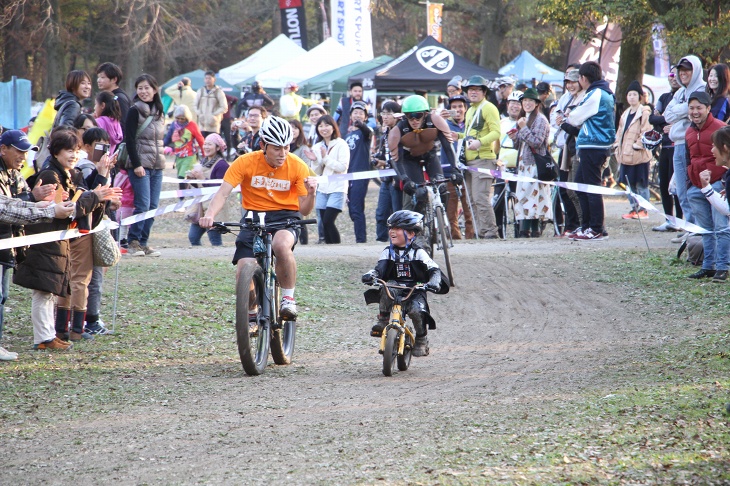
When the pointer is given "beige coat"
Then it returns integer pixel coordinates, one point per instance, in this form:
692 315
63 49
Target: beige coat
210 106
625 152
187 98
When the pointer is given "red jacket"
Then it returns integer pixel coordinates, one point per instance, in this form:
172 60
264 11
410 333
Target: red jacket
699 146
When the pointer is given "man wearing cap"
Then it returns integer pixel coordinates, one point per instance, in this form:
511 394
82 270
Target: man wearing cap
15 210
689 71
290 105
482 130
182 94
342 113
565 140
716 243
595 116
210 104
256 97
390 198
498 98
358 138
458 105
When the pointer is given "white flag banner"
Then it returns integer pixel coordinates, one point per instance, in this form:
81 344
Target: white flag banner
351 27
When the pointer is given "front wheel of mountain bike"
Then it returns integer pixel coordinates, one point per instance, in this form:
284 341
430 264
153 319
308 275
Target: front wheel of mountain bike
390 354
252 337
441 220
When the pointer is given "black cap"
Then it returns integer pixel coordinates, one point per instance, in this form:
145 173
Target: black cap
700 96
684 63
461 98
543 88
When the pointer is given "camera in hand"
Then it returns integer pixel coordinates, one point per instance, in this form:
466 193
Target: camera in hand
99 150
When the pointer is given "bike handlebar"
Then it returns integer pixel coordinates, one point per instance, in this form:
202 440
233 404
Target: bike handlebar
224 227
387 286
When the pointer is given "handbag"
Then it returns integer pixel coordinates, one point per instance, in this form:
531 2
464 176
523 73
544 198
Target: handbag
106 251
193 213
123 153
547 169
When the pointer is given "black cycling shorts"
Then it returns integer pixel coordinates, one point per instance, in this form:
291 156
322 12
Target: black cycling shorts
244 242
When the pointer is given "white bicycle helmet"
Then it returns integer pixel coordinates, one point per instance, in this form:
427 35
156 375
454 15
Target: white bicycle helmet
276 131
515 96
651 139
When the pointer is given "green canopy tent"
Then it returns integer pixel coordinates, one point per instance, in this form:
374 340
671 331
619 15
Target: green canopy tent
334 83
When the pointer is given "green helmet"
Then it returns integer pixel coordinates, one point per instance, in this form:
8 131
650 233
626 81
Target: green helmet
478 81
415 104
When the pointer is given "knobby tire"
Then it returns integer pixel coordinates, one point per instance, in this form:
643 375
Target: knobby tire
252 350
282 338
445 244
390 353
405 361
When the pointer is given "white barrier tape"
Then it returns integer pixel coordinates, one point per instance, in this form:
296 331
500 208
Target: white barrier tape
52 236
199 191
165 209
173 180
677 222
356 176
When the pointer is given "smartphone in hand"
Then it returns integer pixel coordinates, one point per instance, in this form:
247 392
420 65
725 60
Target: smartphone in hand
99 150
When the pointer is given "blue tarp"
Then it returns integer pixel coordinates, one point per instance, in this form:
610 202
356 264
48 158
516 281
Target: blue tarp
526 66
15 99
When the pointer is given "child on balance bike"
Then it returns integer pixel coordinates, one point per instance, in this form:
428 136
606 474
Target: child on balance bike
403 262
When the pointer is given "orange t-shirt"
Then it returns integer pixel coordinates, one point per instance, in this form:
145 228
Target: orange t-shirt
264 188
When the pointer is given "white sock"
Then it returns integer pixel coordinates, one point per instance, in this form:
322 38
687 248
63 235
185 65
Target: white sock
287 293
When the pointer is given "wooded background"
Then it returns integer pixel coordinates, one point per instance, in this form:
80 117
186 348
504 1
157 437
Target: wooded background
42 40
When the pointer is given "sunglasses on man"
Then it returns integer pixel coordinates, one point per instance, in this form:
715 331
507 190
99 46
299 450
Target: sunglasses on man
415 116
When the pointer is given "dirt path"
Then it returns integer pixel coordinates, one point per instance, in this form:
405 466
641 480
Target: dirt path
524 329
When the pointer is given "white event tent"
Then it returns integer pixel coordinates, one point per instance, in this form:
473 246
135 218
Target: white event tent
327 56
279 51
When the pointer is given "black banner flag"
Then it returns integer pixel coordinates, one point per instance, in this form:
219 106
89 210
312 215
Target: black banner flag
293 22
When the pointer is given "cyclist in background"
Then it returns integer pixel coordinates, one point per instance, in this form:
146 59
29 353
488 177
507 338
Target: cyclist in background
277 183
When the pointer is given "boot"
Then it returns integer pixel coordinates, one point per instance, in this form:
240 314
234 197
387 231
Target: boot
77 333
377 329
62 317
420 347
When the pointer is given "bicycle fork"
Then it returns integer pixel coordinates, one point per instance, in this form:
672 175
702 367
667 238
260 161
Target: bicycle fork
396 322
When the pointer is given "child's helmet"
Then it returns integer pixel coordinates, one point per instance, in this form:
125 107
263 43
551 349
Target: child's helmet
407 220
651 139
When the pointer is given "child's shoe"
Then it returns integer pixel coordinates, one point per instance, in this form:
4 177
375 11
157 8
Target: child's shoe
377 329
421 346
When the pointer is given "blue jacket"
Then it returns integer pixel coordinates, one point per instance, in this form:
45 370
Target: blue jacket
595 117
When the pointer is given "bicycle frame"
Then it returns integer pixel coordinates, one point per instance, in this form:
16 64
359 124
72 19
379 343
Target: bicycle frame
397 318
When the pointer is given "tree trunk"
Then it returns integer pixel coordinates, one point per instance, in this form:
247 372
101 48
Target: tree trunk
494 27
15 57
635 39
55 52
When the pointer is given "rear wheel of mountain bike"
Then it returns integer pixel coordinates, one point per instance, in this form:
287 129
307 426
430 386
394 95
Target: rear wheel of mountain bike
253 345
441 220
390 354
511 216
283 333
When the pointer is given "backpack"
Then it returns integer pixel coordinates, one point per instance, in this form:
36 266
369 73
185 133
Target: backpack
44 142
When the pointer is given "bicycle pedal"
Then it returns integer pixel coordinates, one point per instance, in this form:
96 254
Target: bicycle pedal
380 351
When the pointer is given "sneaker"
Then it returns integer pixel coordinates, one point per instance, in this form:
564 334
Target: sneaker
573 234
288 308
134 249
6 355
589 235
666 226
150 252
421 347
253 324
78 336
630 215
63 336
54 343
123 250
720 276
680 237
703 273
642 214
98 328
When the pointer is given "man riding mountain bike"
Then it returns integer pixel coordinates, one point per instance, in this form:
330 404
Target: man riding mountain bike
413 148
277 183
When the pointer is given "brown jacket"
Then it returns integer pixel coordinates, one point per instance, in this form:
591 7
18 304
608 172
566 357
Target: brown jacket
625 152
